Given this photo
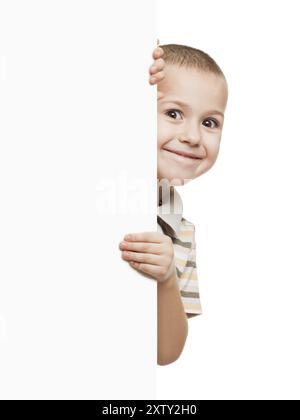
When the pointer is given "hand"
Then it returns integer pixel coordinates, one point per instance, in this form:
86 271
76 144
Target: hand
156 70
150 252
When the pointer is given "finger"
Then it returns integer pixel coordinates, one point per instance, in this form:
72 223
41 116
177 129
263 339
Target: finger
142 258
157 52
157 41
152 80
159 63
152 270
146 247
153 69
155 237
157 66
157 78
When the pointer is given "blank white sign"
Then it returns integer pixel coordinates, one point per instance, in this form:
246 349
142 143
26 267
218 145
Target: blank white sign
76 114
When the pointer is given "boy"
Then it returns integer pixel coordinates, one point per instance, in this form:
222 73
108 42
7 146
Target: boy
191 101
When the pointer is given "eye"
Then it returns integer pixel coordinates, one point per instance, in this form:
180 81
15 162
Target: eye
214 121
173 111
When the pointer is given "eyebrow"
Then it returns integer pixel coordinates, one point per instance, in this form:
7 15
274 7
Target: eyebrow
183 104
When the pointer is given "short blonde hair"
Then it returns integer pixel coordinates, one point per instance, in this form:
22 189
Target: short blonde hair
189 57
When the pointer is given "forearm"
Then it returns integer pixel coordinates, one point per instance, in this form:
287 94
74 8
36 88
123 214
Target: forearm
172 323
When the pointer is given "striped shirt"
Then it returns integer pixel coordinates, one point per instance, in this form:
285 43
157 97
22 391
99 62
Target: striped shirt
182 233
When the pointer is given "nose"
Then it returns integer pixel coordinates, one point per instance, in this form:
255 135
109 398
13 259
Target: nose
192 135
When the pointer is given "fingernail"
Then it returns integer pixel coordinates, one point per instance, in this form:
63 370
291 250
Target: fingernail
127 237
153 79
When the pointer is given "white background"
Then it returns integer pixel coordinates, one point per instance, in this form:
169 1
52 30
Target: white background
246 210
68 72
76 110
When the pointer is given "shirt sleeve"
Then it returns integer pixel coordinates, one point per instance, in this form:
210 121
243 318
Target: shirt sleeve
189 284
188 279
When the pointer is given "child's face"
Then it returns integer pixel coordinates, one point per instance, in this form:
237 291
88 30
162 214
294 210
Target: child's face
195 126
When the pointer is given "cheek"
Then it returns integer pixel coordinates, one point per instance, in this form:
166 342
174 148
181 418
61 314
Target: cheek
165 131
212 147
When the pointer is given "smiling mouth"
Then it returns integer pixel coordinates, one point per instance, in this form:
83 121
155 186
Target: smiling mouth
183 155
